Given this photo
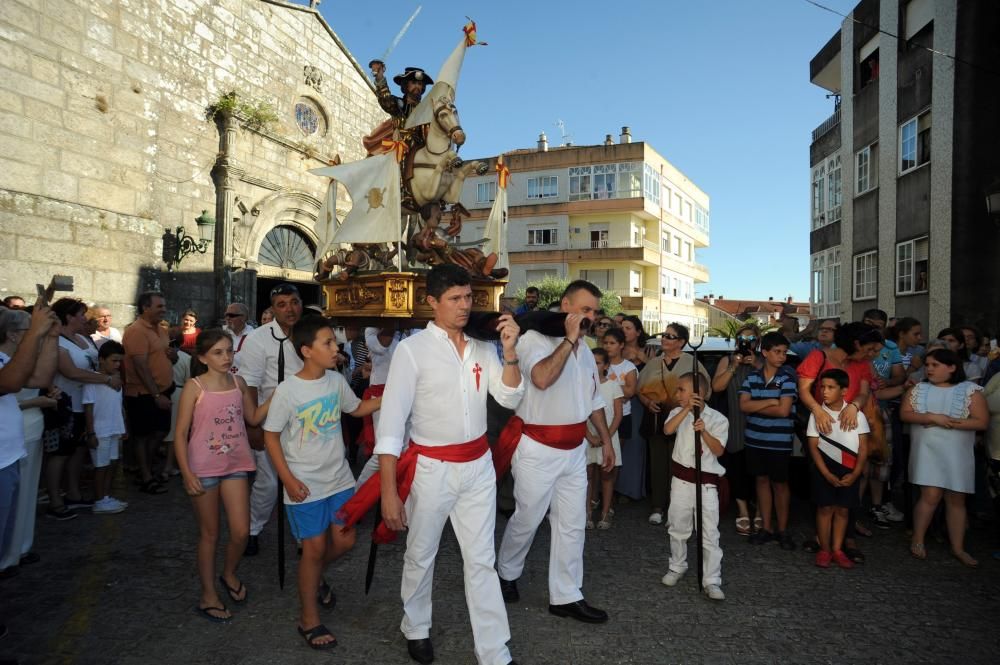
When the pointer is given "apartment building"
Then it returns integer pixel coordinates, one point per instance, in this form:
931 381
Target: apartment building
902 172
618 215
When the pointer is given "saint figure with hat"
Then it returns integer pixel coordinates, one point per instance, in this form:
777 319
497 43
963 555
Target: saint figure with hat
412 82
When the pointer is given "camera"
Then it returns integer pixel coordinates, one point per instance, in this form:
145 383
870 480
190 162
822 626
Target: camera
743 348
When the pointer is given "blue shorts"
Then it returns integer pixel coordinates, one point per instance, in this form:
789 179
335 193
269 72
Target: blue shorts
308 520
209 482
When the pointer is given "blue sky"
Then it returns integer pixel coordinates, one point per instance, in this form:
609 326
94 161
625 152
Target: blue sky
718 87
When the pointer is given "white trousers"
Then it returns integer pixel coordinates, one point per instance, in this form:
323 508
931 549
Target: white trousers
681 523
263 494
30 467
553 479
465 492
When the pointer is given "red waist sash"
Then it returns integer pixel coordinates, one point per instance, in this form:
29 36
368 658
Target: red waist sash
563 437
367 436
406 466
689 475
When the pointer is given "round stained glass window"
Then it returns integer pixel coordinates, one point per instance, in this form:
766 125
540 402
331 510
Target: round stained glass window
309 118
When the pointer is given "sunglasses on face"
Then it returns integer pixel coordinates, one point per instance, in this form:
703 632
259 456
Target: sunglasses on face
671 336
285 290
233 315
602 324
748 338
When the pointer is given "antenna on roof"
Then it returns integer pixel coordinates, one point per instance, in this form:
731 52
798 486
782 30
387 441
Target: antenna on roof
566 138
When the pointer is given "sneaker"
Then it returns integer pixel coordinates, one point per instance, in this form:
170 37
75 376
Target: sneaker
761 537
112 500
842 560
786 542
823 559
62 514
656 518
880 517
891 513
714 592
107 506
78 504
671 578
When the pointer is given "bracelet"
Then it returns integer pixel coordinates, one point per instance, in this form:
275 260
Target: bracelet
569 341
515 361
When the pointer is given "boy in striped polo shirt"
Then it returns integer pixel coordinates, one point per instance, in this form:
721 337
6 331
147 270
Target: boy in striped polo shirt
768 396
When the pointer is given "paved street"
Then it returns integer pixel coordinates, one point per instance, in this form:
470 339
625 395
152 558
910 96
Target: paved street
120 589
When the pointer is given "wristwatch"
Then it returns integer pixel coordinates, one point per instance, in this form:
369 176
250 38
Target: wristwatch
515 361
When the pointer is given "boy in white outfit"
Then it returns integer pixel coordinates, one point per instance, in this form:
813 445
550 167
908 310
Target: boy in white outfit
714 428
102 406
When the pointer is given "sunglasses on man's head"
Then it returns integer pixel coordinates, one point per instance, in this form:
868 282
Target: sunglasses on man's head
285 290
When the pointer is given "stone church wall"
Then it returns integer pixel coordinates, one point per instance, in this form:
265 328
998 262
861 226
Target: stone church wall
105 144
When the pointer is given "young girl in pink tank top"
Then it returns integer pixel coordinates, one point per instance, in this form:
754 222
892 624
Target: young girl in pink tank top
214 457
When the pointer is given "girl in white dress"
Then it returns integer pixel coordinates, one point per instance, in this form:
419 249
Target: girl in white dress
945 411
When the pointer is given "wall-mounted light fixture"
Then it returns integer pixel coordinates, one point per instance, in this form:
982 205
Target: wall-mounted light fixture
177 244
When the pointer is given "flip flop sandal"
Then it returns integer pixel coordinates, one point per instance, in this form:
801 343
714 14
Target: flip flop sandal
152 487
315 632
854 555
810 546
861 529
758 523
918 551
234 594
326 597
743 526
206 612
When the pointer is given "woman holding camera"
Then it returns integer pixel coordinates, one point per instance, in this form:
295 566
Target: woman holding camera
729 376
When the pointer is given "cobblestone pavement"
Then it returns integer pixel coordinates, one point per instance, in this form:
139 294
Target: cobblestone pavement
119 589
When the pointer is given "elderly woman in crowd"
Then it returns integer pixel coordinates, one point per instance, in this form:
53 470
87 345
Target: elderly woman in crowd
27 360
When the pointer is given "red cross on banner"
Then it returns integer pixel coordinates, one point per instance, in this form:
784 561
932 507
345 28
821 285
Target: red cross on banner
470 34
503 173
477 370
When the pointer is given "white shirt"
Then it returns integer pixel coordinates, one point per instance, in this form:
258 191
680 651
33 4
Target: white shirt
238 342
308 415
716 424
850 440
618 373
443 395
573 396
11 426
108 419
113 334
259 359
34 419
83 359
381 356
610 391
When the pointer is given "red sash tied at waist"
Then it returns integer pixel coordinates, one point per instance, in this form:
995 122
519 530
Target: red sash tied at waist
563 437
689 475
367 436
366 496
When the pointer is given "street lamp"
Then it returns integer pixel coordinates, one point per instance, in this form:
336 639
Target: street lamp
177 244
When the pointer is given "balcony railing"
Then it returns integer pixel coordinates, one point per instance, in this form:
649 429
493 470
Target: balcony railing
827 125
633 292
602 244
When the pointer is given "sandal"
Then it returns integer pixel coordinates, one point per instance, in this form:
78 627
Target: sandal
152 487
743 526
237 595
207 613
811 546
758 523
311 635
854 555
861 529
918 551
965 559
325 596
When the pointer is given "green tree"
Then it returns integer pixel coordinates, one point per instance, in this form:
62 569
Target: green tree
550 289
732 326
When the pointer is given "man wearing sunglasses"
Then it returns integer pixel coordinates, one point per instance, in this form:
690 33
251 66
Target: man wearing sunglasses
238 326
267 357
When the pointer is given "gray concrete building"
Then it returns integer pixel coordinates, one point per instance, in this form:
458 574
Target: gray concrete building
902 170
106 146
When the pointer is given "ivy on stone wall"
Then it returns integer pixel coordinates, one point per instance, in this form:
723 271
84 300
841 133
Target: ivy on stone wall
254 113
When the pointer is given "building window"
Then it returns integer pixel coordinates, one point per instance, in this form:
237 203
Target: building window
866 169
486 192
866 276
677 246
309 118
603 181
598 236
668 197
834 190
911 266
651 184
688 251
544 187
602 279
629 180
537 276
701 218
818 196
825 284
542 236
635 282
869 69
688 210
915 142
665 243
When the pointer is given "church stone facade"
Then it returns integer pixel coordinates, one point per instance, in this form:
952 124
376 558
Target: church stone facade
106 144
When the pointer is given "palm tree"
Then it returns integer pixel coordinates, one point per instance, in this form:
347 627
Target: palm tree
731 326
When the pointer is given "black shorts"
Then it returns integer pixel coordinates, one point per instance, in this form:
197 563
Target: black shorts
736 471
144 417
771 463
825 494
71 435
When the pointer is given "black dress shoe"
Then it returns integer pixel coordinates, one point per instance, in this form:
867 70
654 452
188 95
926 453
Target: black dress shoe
580 611
508 589
421 651
253 546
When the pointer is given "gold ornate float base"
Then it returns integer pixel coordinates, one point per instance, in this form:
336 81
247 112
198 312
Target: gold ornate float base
397 295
